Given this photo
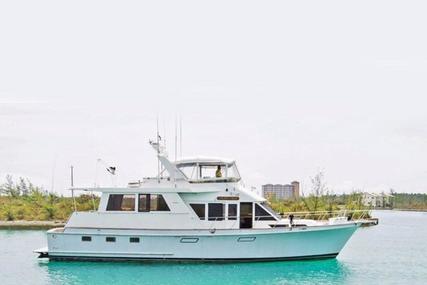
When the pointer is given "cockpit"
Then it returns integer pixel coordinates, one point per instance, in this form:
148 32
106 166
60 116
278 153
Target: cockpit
209 170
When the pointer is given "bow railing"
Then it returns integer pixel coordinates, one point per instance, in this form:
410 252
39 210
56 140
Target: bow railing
351 215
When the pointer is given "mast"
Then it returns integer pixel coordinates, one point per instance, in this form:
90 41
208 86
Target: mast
180 136
176 137
158 151
72 187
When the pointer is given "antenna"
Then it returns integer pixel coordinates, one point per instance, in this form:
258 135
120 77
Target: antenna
164 133
72 176
72 187
180 136
162 168
176 136
158 150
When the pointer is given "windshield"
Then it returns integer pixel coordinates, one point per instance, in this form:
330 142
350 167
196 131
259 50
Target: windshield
270 210
189 170
210 171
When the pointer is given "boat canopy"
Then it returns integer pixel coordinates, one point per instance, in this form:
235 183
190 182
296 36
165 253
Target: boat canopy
204 159
208 169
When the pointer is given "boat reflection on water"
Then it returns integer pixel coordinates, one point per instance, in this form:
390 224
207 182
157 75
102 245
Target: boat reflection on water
298 272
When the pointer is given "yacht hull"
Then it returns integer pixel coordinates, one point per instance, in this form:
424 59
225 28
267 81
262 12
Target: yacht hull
199 245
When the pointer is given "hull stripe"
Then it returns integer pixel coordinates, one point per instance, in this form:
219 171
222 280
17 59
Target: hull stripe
159 259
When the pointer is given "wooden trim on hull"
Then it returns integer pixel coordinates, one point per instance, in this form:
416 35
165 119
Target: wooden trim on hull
157 259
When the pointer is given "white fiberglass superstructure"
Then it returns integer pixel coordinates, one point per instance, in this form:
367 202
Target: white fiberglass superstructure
196 209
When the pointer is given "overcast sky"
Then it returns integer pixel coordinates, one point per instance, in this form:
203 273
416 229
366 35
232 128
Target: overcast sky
287 88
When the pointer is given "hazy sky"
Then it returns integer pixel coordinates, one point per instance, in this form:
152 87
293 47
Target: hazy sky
287 88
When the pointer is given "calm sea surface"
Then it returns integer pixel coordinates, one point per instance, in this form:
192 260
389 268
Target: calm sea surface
394 252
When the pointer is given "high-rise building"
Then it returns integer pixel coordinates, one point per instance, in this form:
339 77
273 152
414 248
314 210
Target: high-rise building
281 191
295 185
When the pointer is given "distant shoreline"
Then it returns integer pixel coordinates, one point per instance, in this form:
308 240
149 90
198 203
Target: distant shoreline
28 225
403 210
410 210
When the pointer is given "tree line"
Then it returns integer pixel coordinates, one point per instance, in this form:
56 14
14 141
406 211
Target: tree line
22 200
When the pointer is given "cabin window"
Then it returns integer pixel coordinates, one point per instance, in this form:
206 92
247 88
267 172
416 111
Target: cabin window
215 212
144 203
232 211
121 202
110 239
134 240
262 215
152 202
86 238
158 203
199 209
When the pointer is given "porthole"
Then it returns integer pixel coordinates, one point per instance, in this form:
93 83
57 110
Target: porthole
134 240
86 238
110 239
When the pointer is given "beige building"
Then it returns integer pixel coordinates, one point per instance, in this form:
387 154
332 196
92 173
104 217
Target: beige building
375 200
281 191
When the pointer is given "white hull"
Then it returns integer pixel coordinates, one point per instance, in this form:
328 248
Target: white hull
240 244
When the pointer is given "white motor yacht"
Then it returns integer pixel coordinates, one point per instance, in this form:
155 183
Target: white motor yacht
197 209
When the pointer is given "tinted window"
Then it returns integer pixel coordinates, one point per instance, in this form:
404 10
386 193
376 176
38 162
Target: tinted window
144 203
120 202
152 202
215 212
232 211
262 215
199 209
158 203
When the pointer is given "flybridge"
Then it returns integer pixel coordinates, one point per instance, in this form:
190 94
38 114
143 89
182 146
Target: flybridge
197 169
208 170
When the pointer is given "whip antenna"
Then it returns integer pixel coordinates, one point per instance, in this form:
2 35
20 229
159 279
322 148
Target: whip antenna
176 137
180 136
158 150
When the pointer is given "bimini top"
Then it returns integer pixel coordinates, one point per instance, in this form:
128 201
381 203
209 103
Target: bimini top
205 160
208 169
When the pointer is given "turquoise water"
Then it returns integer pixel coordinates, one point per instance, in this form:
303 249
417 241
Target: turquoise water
394 252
